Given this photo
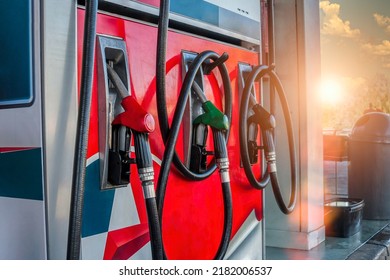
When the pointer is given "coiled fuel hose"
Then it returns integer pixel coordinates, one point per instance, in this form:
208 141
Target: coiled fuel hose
143 157
267 123
187 85
219 123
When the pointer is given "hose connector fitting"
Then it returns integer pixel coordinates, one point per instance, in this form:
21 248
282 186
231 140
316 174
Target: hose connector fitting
270 157
146 176
223 166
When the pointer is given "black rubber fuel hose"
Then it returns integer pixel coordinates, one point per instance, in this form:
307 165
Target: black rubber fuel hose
170 134
80 158
172 137
162 34
145 170
221 156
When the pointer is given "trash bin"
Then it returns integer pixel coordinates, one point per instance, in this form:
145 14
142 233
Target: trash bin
343 216
369 167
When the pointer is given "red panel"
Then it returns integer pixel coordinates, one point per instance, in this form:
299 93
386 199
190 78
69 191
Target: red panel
155 3
14 149
121 244
193 213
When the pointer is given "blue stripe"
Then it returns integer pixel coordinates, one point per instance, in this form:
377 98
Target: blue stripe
97 203
21 174
217 16
196 9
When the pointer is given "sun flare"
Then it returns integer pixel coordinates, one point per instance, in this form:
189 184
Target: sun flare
331 92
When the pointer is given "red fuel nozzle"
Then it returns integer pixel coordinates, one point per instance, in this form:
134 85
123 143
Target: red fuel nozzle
134 116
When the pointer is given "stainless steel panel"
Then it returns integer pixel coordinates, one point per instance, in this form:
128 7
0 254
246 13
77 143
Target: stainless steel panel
114 50
59 82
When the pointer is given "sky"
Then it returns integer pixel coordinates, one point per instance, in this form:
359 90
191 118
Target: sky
355 42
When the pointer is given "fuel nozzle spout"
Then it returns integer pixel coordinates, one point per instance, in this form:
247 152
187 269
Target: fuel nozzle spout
267 123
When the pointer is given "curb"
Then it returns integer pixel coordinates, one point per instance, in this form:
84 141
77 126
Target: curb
377 248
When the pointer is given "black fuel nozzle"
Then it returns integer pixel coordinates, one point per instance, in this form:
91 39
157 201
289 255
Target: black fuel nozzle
267 123
198 156
253 148
119 156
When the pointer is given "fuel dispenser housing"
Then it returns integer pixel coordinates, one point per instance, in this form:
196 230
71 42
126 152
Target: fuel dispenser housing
180 229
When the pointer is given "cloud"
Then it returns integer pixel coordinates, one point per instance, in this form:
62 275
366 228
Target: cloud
382 21
382 49
333 24
385 63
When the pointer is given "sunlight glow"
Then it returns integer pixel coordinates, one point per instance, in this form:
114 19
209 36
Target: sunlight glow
331 92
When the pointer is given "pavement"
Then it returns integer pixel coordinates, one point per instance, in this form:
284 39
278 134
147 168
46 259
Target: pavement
376 248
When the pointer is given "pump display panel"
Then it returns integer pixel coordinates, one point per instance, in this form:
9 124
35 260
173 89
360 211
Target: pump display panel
233 21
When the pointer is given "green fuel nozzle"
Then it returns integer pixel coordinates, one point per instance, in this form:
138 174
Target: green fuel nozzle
213 117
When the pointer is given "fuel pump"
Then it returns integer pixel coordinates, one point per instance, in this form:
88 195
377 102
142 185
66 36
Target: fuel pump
261 117
218 121
194 139
121 120
138 122
254 117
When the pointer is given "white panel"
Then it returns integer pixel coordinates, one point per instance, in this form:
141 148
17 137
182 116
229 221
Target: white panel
247 8
92 247
124 212
145 253
22 229
247 243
